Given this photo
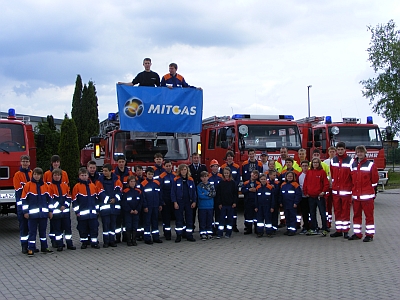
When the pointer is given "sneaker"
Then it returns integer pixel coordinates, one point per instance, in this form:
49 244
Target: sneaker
368 238
354 237
31 253
210 237
203 237
336 234
324 233
304 231
47 251
312 232
218 237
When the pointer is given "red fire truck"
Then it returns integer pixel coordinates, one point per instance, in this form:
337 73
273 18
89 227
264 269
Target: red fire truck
16 139
321 133
244 131
138 147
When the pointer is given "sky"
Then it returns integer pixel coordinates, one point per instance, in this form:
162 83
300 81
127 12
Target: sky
254 57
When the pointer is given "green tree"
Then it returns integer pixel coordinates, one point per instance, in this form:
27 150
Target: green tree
383 91
76 101
68 149
91 107
52 139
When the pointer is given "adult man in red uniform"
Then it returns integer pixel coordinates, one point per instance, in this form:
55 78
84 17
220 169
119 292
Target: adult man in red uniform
365 178
341 190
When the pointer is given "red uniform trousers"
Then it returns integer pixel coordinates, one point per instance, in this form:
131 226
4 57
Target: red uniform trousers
341 206
368 207
329 203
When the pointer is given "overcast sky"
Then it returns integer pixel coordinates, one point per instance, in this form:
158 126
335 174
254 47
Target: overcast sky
249 56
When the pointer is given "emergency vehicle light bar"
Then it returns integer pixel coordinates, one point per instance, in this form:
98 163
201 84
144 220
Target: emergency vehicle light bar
262 117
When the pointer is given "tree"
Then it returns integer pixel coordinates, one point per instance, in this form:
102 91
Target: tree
52 139
85 111
68 149
383 91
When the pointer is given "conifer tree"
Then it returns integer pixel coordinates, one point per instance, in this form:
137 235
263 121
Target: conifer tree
68 149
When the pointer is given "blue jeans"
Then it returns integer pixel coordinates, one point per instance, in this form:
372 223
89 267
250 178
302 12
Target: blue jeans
314 202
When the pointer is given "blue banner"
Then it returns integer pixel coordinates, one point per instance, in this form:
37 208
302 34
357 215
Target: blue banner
160 109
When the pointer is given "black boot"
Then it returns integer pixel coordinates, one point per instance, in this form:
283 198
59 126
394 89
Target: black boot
167 235
125 237
118 238
128 237
134 238
178 238
248 230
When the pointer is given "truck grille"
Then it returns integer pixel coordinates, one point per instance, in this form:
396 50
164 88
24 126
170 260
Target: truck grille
4 173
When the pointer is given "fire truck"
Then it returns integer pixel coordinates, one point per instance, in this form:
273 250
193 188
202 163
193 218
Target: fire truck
322 132
16 139
244 131
137 147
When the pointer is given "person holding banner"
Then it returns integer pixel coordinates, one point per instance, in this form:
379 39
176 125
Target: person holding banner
174 79
145 78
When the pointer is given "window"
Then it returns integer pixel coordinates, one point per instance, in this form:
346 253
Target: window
12 137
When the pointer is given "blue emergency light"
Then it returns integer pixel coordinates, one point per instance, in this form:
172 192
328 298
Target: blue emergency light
11 112
370 120
112 117
240 116
328 120
286 117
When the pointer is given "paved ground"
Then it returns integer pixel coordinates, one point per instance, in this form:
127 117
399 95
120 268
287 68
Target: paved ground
299 267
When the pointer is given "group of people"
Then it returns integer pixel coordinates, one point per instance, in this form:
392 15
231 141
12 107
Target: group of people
129 201
152 79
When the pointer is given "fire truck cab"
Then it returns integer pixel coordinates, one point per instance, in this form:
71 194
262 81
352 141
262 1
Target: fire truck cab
243 131
16 139
321 133
137 147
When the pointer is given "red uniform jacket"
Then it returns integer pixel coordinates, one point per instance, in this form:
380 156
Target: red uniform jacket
315 183
340 174
365 178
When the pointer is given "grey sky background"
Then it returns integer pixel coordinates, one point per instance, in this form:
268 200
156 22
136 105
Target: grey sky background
249 56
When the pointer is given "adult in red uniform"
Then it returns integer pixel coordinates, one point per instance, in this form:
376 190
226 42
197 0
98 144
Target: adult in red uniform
341 190
365 178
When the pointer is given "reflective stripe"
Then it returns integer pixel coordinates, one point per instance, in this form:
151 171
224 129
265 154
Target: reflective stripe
118 197
268 225
129 199
19 202
76 208
370 226
356 225
34 211
167 181
85 212
228 227
291 192
148 190
375 184
118 230
24 207
24 238
167 228
178 228
66 210
56 211
97 206
56 204
260 224
43 239
45 209
117 206
108 206
364 197
154 231
68 236
106 199
94 240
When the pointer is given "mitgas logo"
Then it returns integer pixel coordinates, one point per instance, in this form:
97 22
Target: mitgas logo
166 109
133 108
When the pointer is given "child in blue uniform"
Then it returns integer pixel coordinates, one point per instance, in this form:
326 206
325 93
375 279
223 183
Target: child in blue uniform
206 193
273 180
249 192
36 209
290 197
265 203
132 202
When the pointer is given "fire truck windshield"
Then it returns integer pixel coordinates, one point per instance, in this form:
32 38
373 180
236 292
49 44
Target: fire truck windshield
12 138
144 149
353 136
272 137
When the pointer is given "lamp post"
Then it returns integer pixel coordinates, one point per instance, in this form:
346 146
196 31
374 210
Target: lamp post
308 90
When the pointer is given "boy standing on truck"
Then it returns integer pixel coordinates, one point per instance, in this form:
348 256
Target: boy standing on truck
36 209
86 207
21 177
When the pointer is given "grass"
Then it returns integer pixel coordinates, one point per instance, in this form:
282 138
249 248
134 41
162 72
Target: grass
394 180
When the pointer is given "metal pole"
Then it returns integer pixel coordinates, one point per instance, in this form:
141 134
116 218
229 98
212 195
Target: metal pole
308 91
